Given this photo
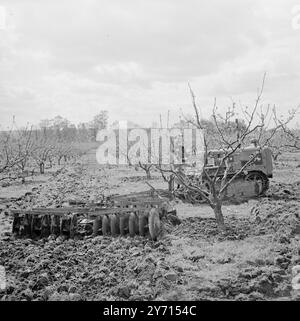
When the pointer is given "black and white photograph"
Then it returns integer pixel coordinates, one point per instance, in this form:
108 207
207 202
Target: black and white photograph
149 152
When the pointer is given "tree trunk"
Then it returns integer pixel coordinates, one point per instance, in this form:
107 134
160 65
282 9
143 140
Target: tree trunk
42 168
219 215
171 184
148 173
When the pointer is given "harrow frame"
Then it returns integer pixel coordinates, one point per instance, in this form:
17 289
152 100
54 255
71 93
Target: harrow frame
133 214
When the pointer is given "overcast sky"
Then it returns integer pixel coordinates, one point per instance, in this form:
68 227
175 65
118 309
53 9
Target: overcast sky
136 57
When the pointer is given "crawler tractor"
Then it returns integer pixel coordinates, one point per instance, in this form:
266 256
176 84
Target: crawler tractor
253 181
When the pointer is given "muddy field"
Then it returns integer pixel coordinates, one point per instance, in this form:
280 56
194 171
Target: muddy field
251 260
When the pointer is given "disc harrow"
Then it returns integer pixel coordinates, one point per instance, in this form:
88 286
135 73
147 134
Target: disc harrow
131 215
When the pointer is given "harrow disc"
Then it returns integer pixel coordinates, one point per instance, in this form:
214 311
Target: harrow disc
26 226
46 225
16 225
55 225
73 225
124 224
65 225
154 224
143 220
96 226
114 225
132 224
35 227
105 225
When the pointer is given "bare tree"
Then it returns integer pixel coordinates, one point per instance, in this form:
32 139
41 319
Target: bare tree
9 158
23 146
214 189
147 168
99 122
62 150
286 140
44 145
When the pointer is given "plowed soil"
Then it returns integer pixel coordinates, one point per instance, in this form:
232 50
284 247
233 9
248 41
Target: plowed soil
250 260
